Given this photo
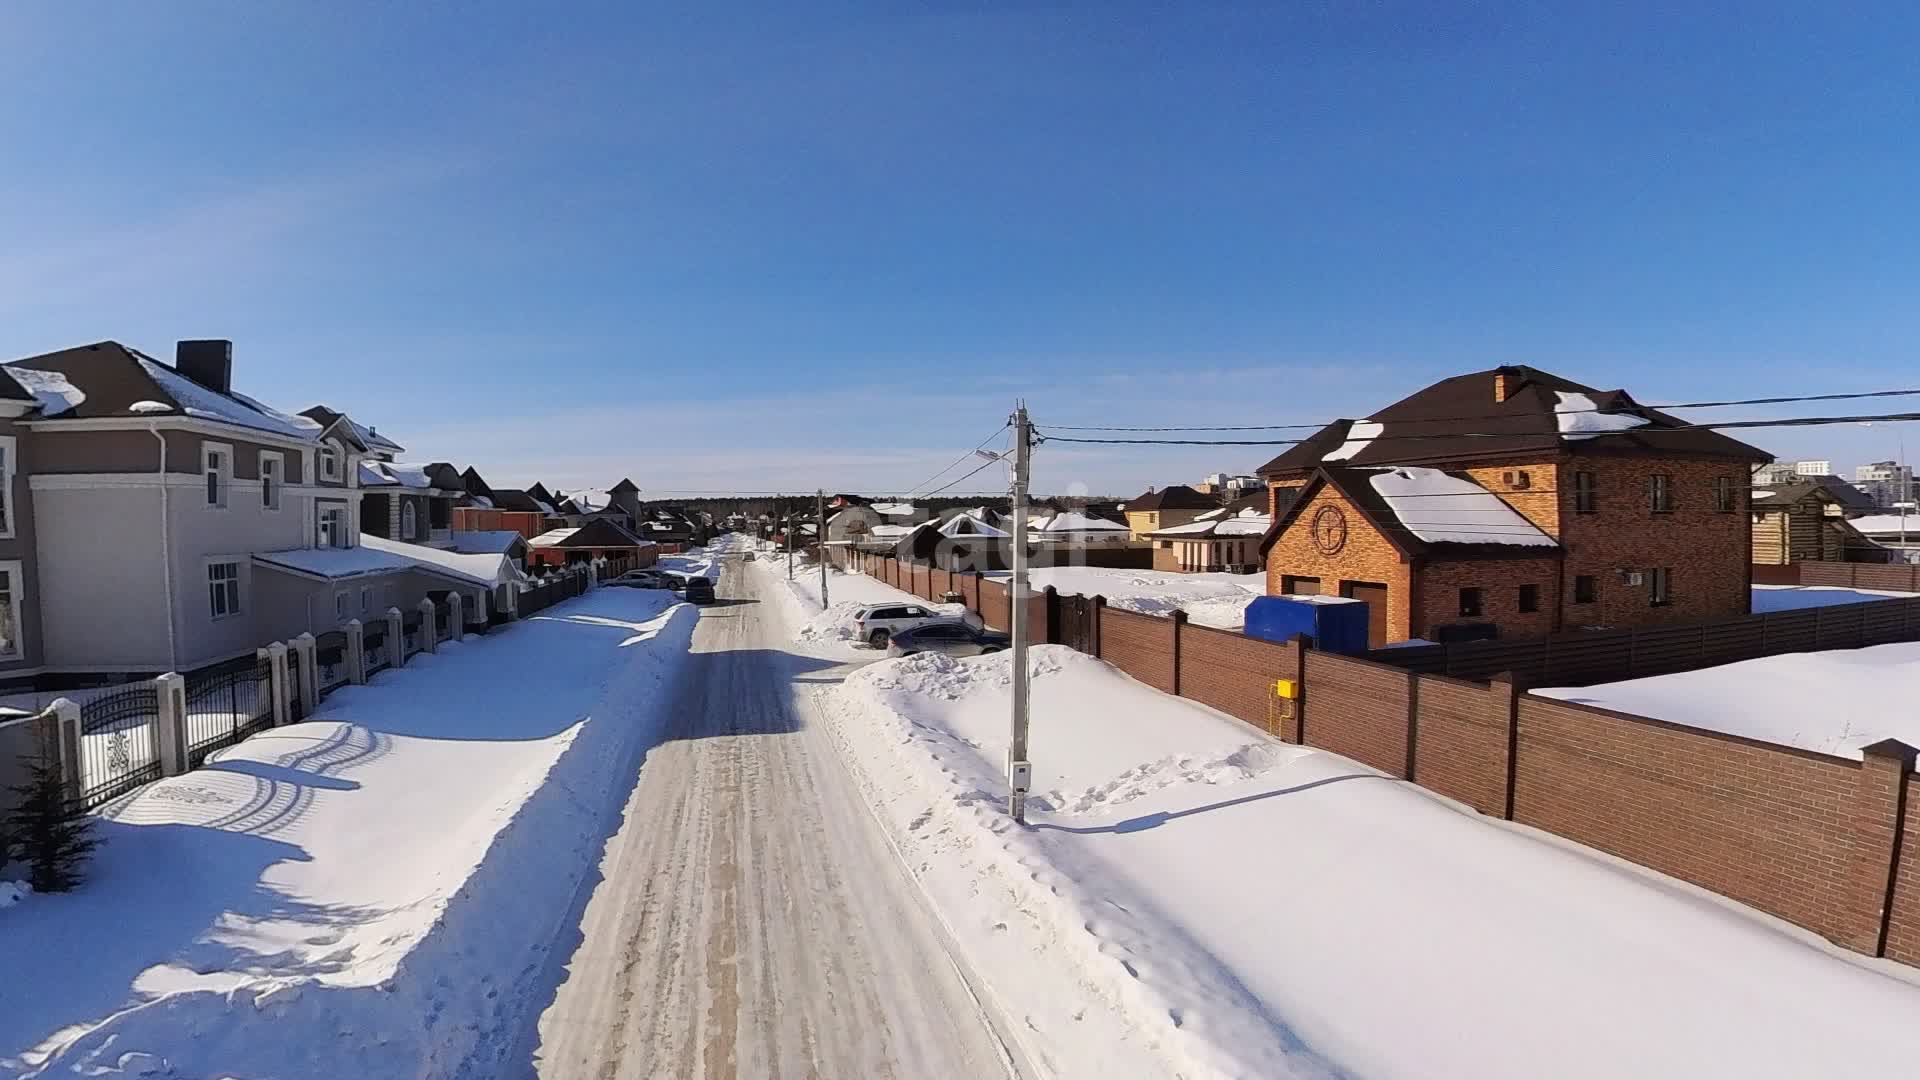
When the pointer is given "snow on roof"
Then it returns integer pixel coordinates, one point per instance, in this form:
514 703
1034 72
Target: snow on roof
1762 493
1241 525
484 541
51 388
968 525
149 406
385 473
1075 521
894 509
337 562
1579 417
1887 524
198 401
545 507
481 569
589 500
481 501
1443 509
551 537
1359 434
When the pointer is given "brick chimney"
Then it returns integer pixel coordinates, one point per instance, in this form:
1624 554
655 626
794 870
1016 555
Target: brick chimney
208 362
1505 382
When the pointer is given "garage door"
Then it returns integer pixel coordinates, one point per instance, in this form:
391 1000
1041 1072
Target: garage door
1375 597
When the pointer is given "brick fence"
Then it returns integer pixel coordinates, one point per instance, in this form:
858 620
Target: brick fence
1826 843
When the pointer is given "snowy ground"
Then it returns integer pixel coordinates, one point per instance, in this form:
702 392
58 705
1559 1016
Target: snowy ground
831 632
1256 909
371 893
1832 702
1208 599
1788 597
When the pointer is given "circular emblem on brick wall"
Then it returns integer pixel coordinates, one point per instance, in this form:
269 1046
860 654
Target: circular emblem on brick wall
1329 530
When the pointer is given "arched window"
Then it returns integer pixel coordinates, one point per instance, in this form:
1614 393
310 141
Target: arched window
409 521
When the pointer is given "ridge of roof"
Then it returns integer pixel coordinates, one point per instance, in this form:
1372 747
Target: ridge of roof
1171 497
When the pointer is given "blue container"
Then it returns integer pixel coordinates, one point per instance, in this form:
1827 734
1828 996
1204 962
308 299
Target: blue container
1335 625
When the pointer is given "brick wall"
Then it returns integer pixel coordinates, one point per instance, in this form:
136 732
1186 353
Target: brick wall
1366 556
1538 500
1140 645
1899 576
1436 595
1903 923
1235 674
1709 551
1166 557
1461 733
1358 709
1768 826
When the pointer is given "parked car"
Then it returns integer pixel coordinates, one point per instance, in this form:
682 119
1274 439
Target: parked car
676 582
953 637
878 623
698 590
641 579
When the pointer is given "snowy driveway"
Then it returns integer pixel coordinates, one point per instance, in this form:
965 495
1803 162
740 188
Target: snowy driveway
753 921
371 893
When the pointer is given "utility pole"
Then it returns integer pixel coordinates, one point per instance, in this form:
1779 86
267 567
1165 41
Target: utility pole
1019 770
820 540
789 532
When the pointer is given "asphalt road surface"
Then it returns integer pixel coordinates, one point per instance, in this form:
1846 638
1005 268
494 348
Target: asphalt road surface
752 920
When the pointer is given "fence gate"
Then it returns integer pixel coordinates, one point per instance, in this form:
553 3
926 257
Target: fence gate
1075 629
119 742
225 704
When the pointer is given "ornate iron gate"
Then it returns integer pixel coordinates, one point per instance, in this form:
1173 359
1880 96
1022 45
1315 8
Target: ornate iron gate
225 704
119 742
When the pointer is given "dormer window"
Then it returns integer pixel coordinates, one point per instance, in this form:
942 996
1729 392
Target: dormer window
329 462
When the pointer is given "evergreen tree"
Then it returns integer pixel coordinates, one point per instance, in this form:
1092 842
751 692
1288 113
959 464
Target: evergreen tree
51 836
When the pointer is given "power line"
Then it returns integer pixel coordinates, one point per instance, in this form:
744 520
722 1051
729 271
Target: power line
984 467
1507 416
956 461
1802 421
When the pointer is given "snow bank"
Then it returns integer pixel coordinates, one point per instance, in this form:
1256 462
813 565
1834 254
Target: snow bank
12 892
1192 898
387 880
1829 702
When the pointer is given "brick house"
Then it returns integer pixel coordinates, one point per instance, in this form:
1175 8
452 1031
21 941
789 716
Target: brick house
1514 503
1176 504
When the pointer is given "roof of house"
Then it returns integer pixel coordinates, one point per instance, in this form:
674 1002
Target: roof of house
598 533
486 541
376 555
625 485
1850 497
1074 521
368 437
1425 513
966 523
430 476
587 500
1172 497
1784 496
108 379
515 499
1457 419
475 483
1888 524
480 568
1245 523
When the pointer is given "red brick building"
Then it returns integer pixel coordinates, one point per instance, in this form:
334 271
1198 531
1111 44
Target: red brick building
1514 503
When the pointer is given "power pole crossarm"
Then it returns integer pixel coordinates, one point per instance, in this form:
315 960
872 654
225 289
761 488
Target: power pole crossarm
1019 770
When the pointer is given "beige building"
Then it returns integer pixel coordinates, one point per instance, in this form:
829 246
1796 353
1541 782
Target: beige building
1165 508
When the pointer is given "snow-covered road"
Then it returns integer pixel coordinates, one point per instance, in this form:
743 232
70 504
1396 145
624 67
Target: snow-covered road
752 919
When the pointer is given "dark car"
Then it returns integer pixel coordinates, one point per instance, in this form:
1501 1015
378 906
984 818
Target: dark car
952 637
699 590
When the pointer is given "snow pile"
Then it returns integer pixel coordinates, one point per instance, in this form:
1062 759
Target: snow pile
12 892
1828 702
375 892
1194 899
1360 435
51 389
1580 418
1216 600
1444 509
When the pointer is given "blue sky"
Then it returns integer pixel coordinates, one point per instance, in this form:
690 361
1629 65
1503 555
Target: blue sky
753 248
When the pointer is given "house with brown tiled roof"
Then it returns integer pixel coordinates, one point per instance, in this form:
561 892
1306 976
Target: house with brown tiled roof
1175 504
1513 503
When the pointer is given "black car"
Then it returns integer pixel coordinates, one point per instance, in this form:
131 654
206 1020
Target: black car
953 637
699 590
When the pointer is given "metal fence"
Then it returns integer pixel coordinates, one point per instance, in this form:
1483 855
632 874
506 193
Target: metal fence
225 704
330 657
411 625
376 650
119 742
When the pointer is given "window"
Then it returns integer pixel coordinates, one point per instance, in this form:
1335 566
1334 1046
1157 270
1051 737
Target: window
1723 494
366 599
1659 586
1583 500
1529 598
340 605
329 462
272 468
6 486
1660 493
216 463
1471 603
330 526
1299 586
1166 543
1585 588
409 521
223 589
10 597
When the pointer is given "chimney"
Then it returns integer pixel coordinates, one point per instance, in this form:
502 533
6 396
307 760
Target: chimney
1505 382
208 362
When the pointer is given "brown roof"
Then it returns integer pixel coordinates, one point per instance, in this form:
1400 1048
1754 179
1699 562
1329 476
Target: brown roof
600 533
1172 497
514 499
1457 420
113 378
1355 486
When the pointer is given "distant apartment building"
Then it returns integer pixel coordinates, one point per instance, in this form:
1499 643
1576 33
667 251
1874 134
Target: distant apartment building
1887 483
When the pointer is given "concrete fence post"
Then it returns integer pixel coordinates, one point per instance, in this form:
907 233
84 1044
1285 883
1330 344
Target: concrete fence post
308 683
396 638
170 727
1178 626
278 681
1877 813
456 617
356 652
429 627
66 736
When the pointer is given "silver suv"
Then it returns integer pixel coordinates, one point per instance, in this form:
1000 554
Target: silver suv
878 623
